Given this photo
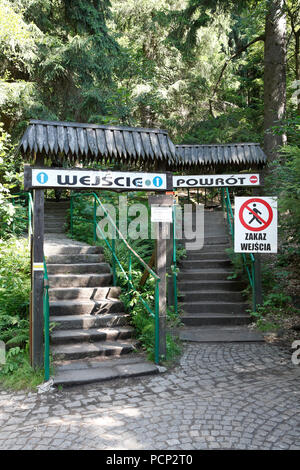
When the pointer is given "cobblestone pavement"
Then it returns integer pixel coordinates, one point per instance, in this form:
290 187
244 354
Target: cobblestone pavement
225 396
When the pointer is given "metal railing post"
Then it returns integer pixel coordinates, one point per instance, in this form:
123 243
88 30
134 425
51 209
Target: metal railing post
156 339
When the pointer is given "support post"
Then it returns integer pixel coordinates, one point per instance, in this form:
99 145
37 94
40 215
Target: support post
162 231
37 319
257 280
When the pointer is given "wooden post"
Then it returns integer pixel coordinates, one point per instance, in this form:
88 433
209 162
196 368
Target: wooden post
161 269
37 276
37 319
258 287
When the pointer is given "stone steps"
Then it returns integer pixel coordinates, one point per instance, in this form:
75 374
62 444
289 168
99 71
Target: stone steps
208 298
210 285
213 306
80 280
66 322
204 274
204 318
191 264
80 372
84 307
86 258
89 322
87 293
91 335
100 348
222 296
79 268
73 250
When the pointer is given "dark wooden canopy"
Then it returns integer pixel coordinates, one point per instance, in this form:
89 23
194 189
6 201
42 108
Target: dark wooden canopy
132 146
243 155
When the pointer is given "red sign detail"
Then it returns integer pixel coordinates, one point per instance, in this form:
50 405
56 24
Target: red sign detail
265 223
253 179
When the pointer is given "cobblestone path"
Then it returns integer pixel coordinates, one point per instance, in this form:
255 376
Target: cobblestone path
225 396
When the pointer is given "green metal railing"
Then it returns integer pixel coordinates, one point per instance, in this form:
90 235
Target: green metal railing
29 200
248 259
174 264
127 273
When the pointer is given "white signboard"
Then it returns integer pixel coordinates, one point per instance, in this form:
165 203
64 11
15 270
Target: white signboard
93 179
255 225
203 181
161 213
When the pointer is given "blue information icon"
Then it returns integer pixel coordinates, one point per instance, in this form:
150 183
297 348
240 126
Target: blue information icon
42 177
157 181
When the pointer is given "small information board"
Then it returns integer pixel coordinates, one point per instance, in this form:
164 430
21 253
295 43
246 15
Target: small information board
255 225
161 214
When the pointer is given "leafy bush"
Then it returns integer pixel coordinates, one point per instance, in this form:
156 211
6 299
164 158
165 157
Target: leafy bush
14 292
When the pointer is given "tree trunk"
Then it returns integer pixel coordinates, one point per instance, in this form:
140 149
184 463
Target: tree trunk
274 75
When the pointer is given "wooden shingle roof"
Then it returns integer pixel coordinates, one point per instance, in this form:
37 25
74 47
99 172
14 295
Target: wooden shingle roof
92 142
148 148
221 155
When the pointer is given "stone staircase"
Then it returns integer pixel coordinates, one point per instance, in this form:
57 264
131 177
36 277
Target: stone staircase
214 308
91 330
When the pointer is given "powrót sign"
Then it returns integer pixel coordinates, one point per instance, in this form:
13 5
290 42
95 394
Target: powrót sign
255 225
211 181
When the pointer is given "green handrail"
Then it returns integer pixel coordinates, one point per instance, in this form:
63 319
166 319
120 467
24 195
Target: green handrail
250 271
46 309
46 323
116 261
174 264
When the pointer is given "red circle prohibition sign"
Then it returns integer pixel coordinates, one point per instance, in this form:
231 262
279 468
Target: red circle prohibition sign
265 223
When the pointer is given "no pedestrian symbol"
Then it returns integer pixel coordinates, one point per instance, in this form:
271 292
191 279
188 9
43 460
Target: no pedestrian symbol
255 225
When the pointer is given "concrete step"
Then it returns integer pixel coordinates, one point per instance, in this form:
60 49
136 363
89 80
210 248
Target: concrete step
100 369
211 249
79 268
204 264
54 229
80 280
75 307
201 319
211 240
91 335
92 293
214 307
83 350
220 334
193 256
54 220
209 296
185 286
68 322
204 274
74 259
72 250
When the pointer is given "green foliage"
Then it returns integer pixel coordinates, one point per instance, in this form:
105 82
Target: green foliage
286 173
17 373
276 307
14 292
